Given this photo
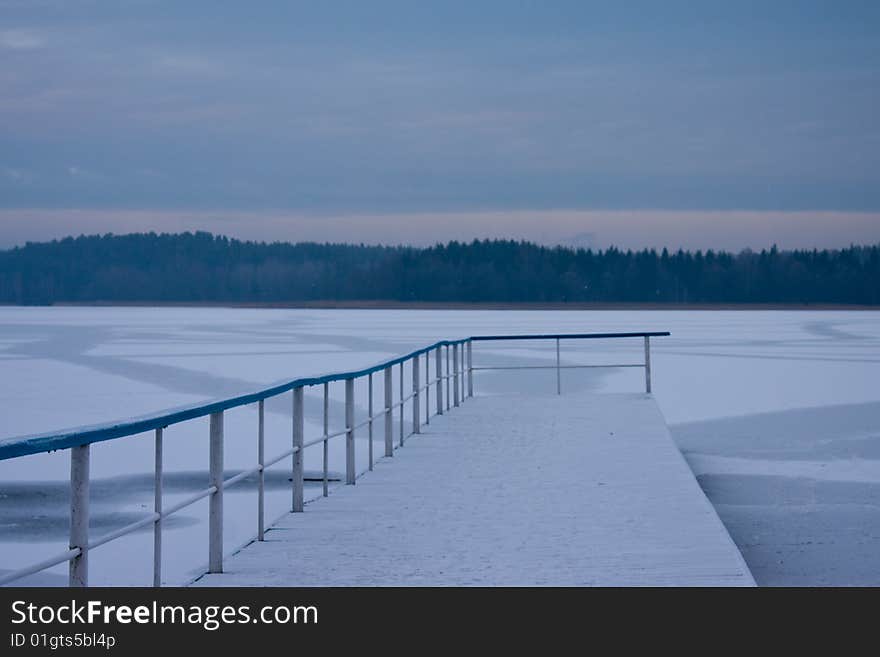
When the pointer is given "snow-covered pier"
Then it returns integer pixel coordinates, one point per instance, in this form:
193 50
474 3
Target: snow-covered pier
579 489
565 489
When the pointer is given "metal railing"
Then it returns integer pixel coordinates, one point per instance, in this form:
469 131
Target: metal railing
558 337
457 375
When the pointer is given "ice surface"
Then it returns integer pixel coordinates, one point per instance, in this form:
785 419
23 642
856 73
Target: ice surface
718 379
799 490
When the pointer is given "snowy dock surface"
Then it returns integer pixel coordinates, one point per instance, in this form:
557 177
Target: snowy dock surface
510 490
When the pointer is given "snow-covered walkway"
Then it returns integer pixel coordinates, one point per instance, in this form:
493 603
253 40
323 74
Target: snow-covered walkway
510 490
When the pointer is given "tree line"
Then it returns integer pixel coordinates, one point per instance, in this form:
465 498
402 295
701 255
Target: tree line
200 267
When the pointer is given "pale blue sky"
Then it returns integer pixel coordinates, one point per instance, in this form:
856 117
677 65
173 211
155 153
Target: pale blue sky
406 108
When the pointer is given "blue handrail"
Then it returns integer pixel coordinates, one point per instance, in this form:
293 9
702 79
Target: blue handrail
568 336
47 442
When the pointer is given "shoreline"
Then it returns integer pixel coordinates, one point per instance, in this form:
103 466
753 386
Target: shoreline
379 304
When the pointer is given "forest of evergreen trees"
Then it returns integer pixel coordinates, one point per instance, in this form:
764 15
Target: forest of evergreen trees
201 267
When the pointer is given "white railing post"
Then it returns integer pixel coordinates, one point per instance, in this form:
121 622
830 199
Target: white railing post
470 368
370 418
461 373
389 420
438 366
416 410
349 432
261 475
215 509
79 515
459 381
558 371
326 433
647 364
296 501
455 374
401 404
448 380
427 387
157 508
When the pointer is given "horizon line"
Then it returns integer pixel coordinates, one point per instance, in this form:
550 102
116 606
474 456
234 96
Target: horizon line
446 243
721 230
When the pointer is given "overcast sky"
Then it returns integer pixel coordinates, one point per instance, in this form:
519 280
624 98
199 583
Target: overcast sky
713 124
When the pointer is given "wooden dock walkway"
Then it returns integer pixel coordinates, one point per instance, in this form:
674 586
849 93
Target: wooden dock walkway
573 490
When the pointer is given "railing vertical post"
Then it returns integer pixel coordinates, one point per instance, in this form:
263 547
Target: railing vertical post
349 432
460 378
326 433
79 515
427 388
401 404
215 510
296 501
455 374
438 367
448 380
416 408
647 364
470 368
370 417
157 508
261 475
558 371
461 373
389 420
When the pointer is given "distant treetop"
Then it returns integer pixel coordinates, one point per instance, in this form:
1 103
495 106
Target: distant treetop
200 267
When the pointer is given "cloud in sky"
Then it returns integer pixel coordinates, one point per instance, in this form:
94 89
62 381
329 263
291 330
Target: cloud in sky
384 108
20 40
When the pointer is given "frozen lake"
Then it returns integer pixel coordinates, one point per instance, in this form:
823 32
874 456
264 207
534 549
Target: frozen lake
778 413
